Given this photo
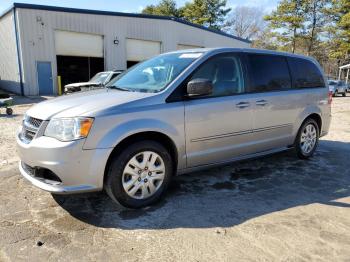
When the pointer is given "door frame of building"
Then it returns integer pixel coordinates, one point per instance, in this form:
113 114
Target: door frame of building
37 76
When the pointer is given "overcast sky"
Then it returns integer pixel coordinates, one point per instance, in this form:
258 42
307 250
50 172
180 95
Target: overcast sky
132 6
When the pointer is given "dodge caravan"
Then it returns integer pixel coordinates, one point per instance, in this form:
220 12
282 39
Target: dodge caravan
175 113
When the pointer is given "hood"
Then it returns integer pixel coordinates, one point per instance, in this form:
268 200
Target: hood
81 84
81 104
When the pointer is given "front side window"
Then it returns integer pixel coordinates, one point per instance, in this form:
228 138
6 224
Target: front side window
225 73
99 77
114 75
305 73
155 74
268 73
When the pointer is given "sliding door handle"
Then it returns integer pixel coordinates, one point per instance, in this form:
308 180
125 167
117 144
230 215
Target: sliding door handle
242 104
261 102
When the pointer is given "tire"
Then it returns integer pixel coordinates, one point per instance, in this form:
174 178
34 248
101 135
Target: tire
300 146
9 111
120 174
335 93
344 94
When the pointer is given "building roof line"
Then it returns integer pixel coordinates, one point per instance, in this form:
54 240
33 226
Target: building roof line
110 13
6 11
345 66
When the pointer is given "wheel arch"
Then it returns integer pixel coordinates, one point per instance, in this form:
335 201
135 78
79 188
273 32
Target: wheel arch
307 115
157 136
317 118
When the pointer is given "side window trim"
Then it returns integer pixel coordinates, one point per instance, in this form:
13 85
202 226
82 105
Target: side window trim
179 93
290 73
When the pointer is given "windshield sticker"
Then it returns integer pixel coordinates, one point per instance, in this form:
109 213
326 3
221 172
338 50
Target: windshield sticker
190 55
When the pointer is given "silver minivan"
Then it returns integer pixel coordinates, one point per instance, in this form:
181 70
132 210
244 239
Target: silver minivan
337 87
173 114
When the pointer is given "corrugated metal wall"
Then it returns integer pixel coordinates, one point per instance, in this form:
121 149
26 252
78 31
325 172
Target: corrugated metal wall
37 37
9 75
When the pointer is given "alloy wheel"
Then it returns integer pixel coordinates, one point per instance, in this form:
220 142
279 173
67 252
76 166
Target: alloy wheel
308 138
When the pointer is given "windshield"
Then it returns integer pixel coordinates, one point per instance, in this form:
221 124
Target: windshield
155 74
332 83
99 77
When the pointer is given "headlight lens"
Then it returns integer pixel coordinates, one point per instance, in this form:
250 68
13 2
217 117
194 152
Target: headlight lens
68 129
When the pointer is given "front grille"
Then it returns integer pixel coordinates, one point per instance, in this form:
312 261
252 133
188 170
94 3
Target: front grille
30 128
34 121
28 135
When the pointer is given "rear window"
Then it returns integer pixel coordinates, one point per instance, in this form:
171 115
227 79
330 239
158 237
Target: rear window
305 74
268 73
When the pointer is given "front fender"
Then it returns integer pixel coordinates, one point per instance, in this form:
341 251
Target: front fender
123 130
126 129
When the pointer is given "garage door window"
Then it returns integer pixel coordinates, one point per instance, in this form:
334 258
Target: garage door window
140 50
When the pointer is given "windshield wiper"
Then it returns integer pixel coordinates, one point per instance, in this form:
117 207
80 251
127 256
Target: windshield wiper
119 88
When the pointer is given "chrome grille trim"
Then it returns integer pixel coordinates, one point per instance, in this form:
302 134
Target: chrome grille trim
34 121
30 127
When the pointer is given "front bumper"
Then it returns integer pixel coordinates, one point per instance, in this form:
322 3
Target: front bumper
58 189
79 170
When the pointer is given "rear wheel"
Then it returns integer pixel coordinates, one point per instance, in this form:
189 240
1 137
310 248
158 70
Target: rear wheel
139 175
307 139
344 94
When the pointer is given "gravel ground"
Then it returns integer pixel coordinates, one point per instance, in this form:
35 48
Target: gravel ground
275 208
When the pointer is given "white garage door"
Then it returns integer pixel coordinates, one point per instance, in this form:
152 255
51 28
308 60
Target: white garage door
139 50
180 47
78 44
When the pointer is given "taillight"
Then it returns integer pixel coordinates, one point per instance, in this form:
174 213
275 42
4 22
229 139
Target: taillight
330 97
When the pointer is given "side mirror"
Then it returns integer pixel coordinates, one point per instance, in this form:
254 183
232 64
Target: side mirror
199 87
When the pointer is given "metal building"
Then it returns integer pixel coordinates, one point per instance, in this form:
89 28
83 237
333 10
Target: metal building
343 69
39 43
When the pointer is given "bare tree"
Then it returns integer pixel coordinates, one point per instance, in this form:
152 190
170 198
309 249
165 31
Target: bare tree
246 22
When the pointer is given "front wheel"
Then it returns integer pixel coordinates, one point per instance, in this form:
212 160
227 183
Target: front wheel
307 139
139 175
9 111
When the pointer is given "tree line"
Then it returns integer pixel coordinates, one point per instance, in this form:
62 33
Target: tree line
318 28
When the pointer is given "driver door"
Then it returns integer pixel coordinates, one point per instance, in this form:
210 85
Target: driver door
218 126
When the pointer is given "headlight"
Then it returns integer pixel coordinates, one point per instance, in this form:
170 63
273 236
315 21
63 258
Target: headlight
68 129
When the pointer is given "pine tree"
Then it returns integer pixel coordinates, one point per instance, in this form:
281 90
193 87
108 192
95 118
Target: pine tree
288 22
165 8
341 13
210 13
316 18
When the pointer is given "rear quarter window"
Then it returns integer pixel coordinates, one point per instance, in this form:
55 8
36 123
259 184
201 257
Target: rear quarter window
305 74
